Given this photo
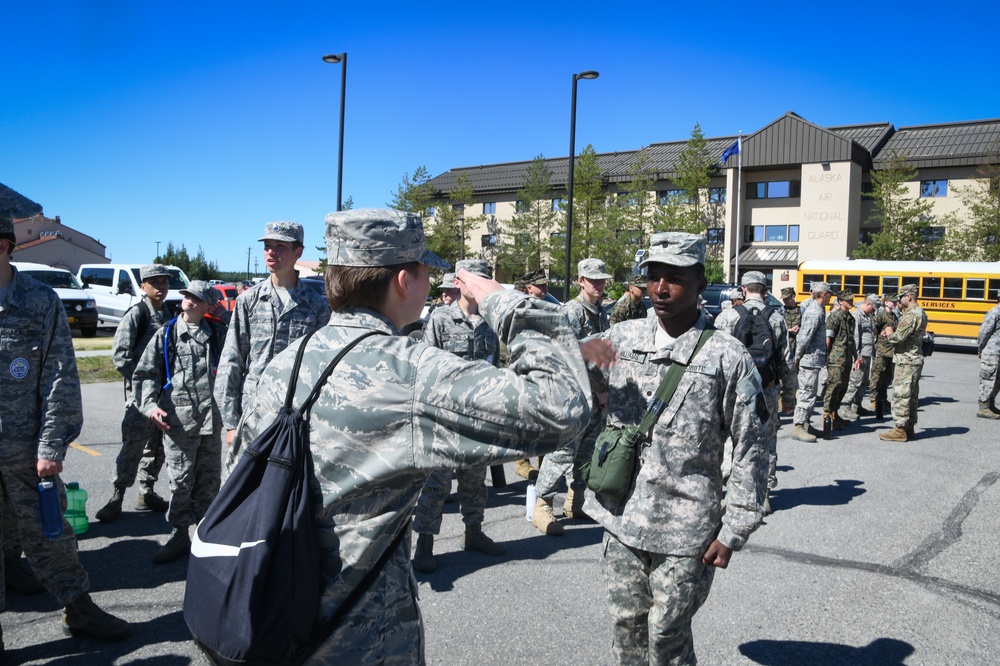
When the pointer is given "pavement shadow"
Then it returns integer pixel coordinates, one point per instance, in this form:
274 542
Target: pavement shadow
935 400
880 652
127 564
932 433
840 492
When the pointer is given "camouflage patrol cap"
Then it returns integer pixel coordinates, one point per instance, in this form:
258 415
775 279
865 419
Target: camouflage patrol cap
845 295
7 229
151 271
675 248
909 289
448 281
203 291
820 287
536 278
593 269
787 292
890 298
736 294
474 266
289 232
519 285
753 277
640 281
377 237
873 299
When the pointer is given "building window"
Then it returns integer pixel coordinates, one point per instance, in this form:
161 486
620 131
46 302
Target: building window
933 234
776 234
933 188
716 195
429 211
773 234
521 207
774 189
489 240
558 204
715 236
489 208
793 233
458 208
758 234
667 197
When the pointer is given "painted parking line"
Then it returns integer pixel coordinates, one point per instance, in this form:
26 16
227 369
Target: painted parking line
87 450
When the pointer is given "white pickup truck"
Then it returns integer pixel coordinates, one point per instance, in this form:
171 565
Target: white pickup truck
115 288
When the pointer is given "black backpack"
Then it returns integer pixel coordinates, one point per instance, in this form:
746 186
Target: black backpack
755 333
254 581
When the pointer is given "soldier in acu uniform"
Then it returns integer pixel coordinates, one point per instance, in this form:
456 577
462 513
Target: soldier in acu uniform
881 375
395 409
907 340
666 537
989 358
536 285
864 330
841 353
810 358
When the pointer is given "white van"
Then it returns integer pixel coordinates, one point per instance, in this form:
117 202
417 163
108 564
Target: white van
115 287
81 311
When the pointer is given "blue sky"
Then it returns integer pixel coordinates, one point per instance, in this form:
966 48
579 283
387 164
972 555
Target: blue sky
198 122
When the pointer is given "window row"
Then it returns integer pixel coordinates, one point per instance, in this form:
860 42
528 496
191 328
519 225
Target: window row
716 195
771 233
774 189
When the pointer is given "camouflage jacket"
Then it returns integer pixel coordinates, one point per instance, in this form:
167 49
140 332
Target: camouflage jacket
41 410
840 330
989 333
626 309
450 329
673 506
726 321
189 404
864 329
908 337
883 318
136 328
258 331
793 318
396 409
810 343
587 320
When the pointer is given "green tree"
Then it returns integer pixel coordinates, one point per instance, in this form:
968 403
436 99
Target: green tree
448 235
684 210
904 221
589 212
175 257
524 239
414 195
977 237
627 219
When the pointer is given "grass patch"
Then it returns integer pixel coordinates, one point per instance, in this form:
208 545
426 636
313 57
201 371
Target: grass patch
92 344
94 369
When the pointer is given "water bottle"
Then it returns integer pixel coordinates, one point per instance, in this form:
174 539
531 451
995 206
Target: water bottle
530 498
76 507
48 493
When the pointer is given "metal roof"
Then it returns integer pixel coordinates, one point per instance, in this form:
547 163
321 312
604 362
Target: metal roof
763 256
948 144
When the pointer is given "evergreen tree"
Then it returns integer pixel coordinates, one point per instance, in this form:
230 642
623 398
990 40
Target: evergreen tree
977 238
449 231
685 210
589 213
626 220
905 222
524 239
414 195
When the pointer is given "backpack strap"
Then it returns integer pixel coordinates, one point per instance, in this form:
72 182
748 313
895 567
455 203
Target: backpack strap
168 329
318 387
668 386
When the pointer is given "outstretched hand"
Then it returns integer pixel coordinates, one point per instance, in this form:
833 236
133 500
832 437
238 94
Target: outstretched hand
599 352
477 286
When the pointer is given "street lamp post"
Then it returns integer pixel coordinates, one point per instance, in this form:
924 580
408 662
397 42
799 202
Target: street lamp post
589 74
333 59
157 250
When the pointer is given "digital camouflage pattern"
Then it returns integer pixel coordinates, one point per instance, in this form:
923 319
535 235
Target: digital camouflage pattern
626 309
41 413
864 327
261 328
907 340
396 409
989 355
840 357
584 318
810 356
882 368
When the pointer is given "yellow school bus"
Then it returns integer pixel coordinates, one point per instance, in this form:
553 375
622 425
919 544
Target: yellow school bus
954 294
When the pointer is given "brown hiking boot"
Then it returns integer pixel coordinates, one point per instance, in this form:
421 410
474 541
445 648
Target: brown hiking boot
150 501
423 558
985 412
894 435
82 617
110 512
524 469
543 519
573 506
475 539
19 580
800 433
177 545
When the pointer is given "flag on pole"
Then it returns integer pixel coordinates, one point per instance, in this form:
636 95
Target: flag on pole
731 150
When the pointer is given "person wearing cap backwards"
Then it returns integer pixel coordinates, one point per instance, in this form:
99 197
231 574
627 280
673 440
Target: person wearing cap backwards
666 537
266 318
864 336
173 388
587 318
459 329
629 306
989 358
41 412
396 409
881 373
810 358
908 356
841 356
142 443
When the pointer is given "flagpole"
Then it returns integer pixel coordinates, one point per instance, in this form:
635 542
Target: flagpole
739 197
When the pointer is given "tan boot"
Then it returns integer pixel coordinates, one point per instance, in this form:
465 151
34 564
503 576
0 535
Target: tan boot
573 506
894 435
423 558
801 433
524 469
543 519
475 539
985 412
150 501
82 617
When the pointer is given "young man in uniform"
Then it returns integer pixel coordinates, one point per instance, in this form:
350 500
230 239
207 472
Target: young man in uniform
864 337
810 358
629 306
665 538
793 317
989 358
841 354
882 368
908 356
395 409
142 443
536 285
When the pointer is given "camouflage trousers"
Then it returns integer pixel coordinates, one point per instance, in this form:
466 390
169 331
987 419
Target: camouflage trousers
771 395
55 562
906 394
988 385
472 496
837 379
881 377
567 461
141 452
11 536
652 599
194 468
806 395
860 378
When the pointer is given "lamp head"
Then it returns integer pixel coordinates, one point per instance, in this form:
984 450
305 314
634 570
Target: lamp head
334 58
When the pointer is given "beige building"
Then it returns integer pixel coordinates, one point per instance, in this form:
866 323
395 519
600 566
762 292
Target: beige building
798 194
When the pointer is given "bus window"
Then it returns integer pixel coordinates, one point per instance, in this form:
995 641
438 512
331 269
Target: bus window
809 279
994 288
909 279
853 282
953 288
975 289
931 288
834 282
890 284
869 284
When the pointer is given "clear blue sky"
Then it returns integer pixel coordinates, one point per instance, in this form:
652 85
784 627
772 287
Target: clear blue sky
197 122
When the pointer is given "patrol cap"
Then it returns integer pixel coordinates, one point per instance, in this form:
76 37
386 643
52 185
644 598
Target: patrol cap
640 281
753 277
787 292
448 281
736 294
152 271
289 232
890 298
474 266
536 278
7 229
845 295
377 237
519 285
675 248
873 299
818 287
593 269
203 291
910 289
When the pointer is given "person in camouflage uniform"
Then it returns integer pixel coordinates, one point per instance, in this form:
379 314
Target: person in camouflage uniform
841 355
793 318
536 285
810 358
396 409
881 374
460 330
174 391
586 318
630 306
41 413
266 319
864 337
666 537
726 321
989 358
907 340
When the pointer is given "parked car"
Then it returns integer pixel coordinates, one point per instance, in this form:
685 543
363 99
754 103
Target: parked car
115 287
714 294
81 309
227 295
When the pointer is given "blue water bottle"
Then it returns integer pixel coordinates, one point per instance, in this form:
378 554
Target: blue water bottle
51 511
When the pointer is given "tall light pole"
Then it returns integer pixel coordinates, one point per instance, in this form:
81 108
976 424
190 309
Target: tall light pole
333 59
589 74
157 250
